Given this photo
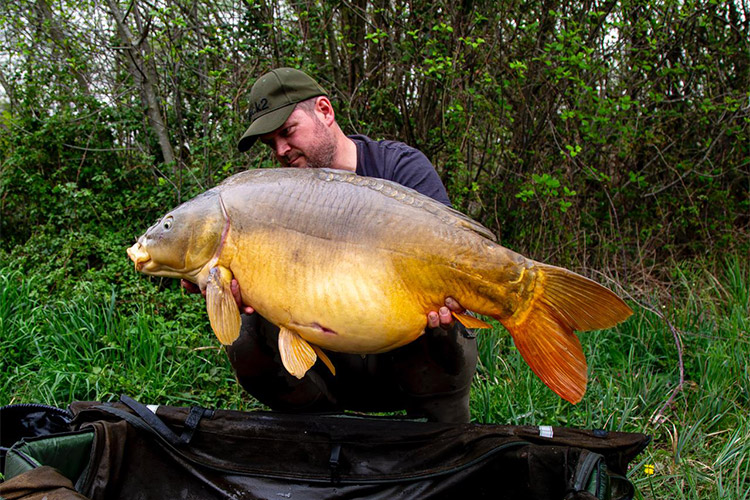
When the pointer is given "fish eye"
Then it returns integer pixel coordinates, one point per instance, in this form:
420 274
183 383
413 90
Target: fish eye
167 224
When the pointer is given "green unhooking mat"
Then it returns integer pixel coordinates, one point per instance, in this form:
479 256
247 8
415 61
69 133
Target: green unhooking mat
126 450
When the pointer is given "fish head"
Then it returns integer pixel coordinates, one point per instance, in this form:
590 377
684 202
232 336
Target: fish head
183 242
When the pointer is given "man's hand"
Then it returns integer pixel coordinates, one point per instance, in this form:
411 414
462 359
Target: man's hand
443 317
191 287
235 286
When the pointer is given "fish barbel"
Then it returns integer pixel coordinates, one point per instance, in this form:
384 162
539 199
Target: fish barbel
353 264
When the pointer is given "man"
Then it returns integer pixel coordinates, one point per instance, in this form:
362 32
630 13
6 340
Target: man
430 377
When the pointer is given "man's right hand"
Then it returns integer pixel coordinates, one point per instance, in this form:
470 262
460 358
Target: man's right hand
191 287
443 317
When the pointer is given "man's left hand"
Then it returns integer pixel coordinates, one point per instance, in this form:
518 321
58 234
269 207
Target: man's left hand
234 287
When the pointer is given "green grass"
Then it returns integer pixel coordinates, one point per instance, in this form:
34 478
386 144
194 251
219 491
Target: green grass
96 346
91 348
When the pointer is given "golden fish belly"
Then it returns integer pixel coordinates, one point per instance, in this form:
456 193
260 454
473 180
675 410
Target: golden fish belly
344 297
355 270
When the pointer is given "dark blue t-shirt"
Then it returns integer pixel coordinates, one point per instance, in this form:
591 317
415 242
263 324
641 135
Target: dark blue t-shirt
395 161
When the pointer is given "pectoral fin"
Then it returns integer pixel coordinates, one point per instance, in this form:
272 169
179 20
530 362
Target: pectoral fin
223 312
470 321
296 354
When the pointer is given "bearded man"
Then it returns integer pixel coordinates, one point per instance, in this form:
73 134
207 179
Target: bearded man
430 377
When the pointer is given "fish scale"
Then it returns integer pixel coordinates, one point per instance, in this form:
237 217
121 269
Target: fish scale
353 264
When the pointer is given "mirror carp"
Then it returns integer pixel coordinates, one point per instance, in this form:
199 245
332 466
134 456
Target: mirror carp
353 264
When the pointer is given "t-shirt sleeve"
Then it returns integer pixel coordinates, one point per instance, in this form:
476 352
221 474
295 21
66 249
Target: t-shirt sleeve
413 169
395 161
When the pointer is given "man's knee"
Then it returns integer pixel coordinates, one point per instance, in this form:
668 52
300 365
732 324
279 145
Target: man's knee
256 361
436 372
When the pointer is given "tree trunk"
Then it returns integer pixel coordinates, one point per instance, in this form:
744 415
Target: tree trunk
354 36
140 65
61 39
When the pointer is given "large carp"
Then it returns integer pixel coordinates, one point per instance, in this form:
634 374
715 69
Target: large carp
353 264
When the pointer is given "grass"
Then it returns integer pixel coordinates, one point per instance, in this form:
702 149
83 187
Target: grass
95 346
88 349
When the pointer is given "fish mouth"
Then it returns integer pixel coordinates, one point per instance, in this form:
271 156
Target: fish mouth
139 256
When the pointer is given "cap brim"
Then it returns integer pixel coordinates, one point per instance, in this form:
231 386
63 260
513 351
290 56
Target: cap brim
265 124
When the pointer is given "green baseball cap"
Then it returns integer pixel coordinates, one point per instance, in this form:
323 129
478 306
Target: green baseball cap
273 98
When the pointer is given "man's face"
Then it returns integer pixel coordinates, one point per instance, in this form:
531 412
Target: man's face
303 141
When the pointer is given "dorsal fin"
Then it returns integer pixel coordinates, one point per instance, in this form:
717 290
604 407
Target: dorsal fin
385 187
408 196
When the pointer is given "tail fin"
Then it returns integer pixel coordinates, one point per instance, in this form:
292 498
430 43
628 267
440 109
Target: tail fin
543 331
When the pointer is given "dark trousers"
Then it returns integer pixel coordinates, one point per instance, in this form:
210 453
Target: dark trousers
430 377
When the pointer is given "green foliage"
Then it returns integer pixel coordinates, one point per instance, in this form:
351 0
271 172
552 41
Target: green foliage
547 187
639 108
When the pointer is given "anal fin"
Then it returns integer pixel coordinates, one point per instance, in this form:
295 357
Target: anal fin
324 358
223 312
470 321
297 355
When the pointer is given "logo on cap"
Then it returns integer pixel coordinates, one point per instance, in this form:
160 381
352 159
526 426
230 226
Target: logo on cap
258 106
